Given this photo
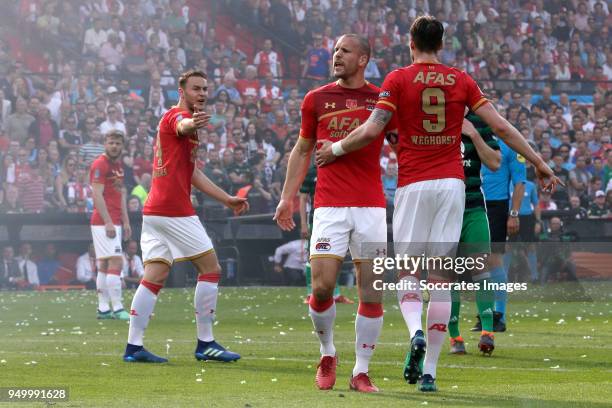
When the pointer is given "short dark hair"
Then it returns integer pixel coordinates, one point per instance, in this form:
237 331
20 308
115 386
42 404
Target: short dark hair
427 33
115 134
364 43
188 74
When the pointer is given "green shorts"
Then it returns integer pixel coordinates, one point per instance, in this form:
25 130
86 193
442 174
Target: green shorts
475 235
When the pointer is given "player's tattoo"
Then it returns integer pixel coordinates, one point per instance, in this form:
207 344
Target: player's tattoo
380 117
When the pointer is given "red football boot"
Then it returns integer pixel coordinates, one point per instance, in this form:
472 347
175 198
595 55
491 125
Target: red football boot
362 383
326 372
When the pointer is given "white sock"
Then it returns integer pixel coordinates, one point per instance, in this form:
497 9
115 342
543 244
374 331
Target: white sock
142 309
367 330
438 314
113 283
411 305
205 304
323 323
103 299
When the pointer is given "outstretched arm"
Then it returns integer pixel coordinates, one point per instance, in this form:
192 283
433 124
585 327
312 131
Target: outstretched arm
517 142
205 185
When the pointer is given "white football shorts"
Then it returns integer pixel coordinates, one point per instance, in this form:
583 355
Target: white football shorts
173 239
104 246
335 230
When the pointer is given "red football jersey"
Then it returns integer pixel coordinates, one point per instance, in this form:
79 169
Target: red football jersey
104 171
174 159
331 112
429 102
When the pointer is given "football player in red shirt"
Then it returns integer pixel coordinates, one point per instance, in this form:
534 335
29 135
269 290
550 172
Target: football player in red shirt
109 223
346 216
171 231
429 100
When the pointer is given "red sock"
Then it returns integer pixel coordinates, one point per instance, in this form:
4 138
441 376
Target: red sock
151 286
370 309
320 306
209 277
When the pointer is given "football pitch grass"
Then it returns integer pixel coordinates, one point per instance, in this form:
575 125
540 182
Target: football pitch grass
555 353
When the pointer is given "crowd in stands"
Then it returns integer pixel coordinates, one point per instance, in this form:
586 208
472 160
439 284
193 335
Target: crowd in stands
25 270
72 70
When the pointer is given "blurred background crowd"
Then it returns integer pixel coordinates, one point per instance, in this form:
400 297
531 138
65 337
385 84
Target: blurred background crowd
72 70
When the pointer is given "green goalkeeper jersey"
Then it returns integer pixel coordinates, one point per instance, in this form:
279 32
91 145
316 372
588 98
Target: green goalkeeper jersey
474 198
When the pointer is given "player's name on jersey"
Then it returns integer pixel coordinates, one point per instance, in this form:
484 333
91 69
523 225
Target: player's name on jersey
433 140
423 284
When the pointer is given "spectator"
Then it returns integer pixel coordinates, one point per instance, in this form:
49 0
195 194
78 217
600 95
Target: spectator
92 149
28 268
87 268
143 161
292 269
65 185
17 125
112 52
134 205
31 188
11 203
595 185
44 129
9 268
317 63
70 137
133 269
389 181
267 61
94 38
560 195
48 265
5 110
546 202
579 178
215 171
228 86
155 29
598 208
260 199
142 189
575 208
112 121
239 170
249 85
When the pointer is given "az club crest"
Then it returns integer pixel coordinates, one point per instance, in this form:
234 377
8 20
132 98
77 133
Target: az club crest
351 103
